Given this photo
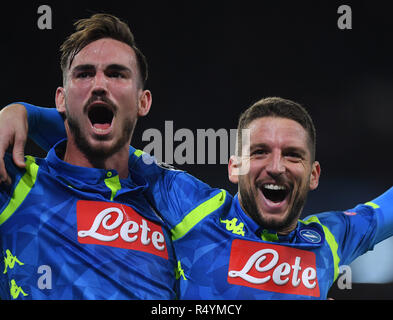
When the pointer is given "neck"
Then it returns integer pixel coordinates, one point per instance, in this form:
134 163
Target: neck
117 161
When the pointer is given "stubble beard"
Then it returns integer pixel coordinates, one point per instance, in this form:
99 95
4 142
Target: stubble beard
250 207
97 155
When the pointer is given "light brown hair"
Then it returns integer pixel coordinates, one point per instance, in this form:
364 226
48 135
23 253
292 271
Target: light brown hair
279 107
96 27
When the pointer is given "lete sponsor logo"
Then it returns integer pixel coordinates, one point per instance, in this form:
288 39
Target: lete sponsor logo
117 225
274 268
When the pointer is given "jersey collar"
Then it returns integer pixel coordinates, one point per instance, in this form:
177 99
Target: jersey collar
304 234
80 177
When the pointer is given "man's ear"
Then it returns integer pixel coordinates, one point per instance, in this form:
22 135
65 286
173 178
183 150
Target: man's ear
233 169
60 100
315 174
145 101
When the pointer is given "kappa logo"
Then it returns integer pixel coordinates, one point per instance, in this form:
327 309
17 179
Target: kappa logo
274 268
117 225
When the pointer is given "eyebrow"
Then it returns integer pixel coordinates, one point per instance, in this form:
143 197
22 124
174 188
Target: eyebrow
83 67
119 67
299 150
114 67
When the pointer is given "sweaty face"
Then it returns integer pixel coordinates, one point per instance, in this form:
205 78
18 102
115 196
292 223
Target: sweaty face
101 97
281 173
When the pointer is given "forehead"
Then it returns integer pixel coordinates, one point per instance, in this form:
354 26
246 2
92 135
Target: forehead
104 52
279 132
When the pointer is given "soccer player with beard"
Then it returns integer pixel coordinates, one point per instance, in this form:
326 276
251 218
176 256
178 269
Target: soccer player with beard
56 212
282 166
253 245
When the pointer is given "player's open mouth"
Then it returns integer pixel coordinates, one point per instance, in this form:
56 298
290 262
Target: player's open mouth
275 193
100 116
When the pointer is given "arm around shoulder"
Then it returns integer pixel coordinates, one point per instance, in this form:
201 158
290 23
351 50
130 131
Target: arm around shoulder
13 133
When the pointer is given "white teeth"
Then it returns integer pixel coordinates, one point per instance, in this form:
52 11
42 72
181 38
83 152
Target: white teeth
273 187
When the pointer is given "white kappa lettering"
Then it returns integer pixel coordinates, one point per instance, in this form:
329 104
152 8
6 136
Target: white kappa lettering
128 231
281 273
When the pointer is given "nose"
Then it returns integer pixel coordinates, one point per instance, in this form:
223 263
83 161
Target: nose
100 84
275 166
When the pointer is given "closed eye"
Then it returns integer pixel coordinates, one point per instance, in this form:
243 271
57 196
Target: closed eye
293 156
259 152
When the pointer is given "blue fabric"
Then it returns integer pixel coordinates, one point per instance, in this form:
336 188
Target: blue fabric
205 251
45 230
46 126
223 253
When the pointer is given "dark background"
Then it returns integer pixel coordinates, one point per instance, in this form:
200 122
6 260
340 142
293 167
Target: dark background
210 61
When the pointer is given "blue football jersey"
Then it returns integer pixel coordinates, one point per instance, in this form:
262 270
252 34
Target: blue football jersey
223 254
68 232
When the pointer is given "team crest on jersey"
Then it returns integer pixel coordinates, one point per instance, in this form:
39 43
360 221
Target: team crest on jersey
270 267
118 225
310 235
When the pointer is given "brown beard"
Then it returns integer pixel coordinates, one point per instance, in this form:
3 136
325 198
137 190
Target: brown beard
97 156
250 207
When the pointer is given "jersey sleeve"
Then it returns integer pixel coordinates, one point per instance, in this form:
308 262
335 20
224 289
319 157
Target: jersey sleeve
383 207
358 230
175 194
6 190
46 126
